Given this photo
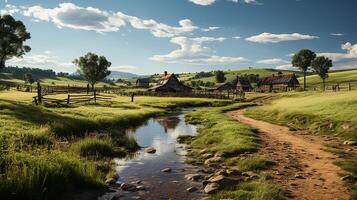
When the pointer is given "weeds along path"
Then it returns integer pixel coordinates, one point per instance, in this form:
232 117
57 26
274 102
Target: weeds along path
303 167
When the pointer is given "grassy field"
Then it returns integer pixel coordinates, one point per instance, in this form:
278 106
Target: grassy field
334 78
324 113
219 134
46 150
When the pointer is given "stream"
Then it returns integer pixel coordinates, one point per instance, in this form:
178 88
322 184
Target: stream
145 169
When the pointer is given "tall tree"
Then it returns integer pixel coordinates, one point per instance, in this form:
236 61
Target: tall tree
321 66
220 78
93 68
303 61
13 34
29 79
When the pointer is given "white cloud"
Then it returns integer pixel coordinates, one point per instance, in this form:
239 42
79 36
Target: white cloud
210 2
72 16
193 51
211 28
273 61
337 34
44 60
287 67
275 38
351 53
9 10
237 37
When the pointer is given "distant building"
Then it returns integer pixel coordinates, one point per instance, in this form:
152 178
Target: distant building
170 83
222 87
243 84
142 82
279 82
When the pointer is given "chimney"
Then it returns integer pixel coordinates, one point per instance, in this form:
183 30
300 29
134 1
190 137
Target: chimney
165 73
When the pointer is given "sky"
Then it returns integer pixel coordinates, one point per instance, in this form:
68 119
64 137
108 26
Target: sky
152 36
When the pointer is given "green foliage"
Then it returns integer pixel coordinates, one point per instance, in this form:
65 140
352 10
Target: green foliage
303 60
184 139
254 163
12 36
321 66
220 78
92 67
29 79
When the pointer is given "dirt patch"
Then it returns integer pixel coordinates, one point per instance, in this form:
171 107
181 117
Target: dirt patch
303 167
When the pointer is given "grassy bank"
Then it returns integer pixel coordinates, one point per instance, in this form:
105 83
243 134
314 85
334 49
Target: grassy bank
323 113
47 151
221 135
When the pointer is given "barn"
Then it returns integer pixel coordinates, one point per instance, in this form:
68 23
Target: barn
280 82
243 84
170 83
142 82
222 87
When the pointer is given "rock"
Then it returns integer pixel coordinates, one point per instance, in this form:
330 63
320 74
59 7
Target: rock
225 180
211 188
203 151
140 187
191 189
345 126
347 178
128 187
138 181
299 176
293 184
150 150
166 170
207 155
193 177
116 196
218 154
250 174
213 160
350 142
110 181
233 172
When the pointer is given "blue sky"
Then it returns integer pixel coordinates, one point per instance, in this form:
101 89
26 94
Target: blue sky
185 35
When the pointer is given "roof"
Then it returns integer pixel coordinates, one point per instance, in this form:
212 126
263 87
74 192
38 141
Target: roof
242 81
279 79
165 79
219 85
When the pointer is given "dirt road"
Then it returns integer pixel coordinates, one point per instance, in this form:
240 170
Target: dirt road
303 167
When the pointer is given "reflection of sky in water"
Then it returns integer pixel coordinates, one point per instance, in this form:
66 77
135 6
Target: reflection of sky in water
161 134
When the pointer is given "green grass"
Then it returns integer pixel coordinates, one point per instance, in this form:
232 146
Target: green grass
219 134
48 151
334 78
323 113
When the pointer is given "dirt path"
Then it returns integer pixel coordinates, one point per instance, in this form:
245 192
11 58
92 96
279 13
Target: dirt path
303 167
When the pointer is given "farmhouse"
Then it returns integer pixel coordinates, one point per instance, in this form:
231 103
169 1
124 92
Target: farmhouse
170 83
142 82
278 82
222 87
243 84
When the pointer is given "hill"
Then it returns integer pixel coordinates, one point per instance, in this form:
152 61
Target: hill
121 75
345 76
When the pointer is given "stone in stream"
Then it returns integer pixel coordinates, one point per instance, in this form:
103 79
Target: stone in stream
128 187
191 189
225 180
150 150
110 181
140 187
211 188
193 177
166 170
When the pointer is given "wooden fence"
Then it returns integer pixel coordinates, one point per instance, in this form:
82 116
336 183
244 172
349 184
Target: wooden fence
74 95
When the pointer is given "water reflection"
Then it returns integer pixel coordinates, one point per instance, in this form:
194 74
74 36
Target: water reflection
161 134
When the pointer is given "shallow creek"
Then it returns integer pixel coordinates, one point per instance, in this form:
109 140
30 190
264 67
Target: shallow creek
160 133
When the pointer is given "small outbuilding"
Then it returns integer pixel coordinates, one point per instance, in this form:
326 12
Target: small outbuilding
170 83
243 84
222 87
143 82
279 82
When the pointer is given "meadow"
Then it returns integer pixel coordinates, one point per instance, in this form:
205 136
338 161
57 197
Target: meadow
47 150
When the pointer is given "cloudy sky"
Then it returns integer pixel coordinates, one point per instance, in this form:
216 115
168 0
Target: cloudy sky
150 36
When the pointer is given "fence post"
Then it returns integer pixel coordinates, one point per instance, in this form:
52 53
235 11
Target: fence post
68 98
68 88
87 88
95 96
39 94
349 87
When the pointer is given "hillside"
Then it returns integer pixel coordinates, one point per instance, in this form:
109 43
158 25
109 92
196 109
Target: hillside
334 78
121 75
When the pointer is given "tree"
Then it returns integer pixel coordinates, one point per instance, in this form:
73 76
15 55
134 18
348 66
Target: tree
93 68
321 66
29 79
303 61
220 78
13 34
